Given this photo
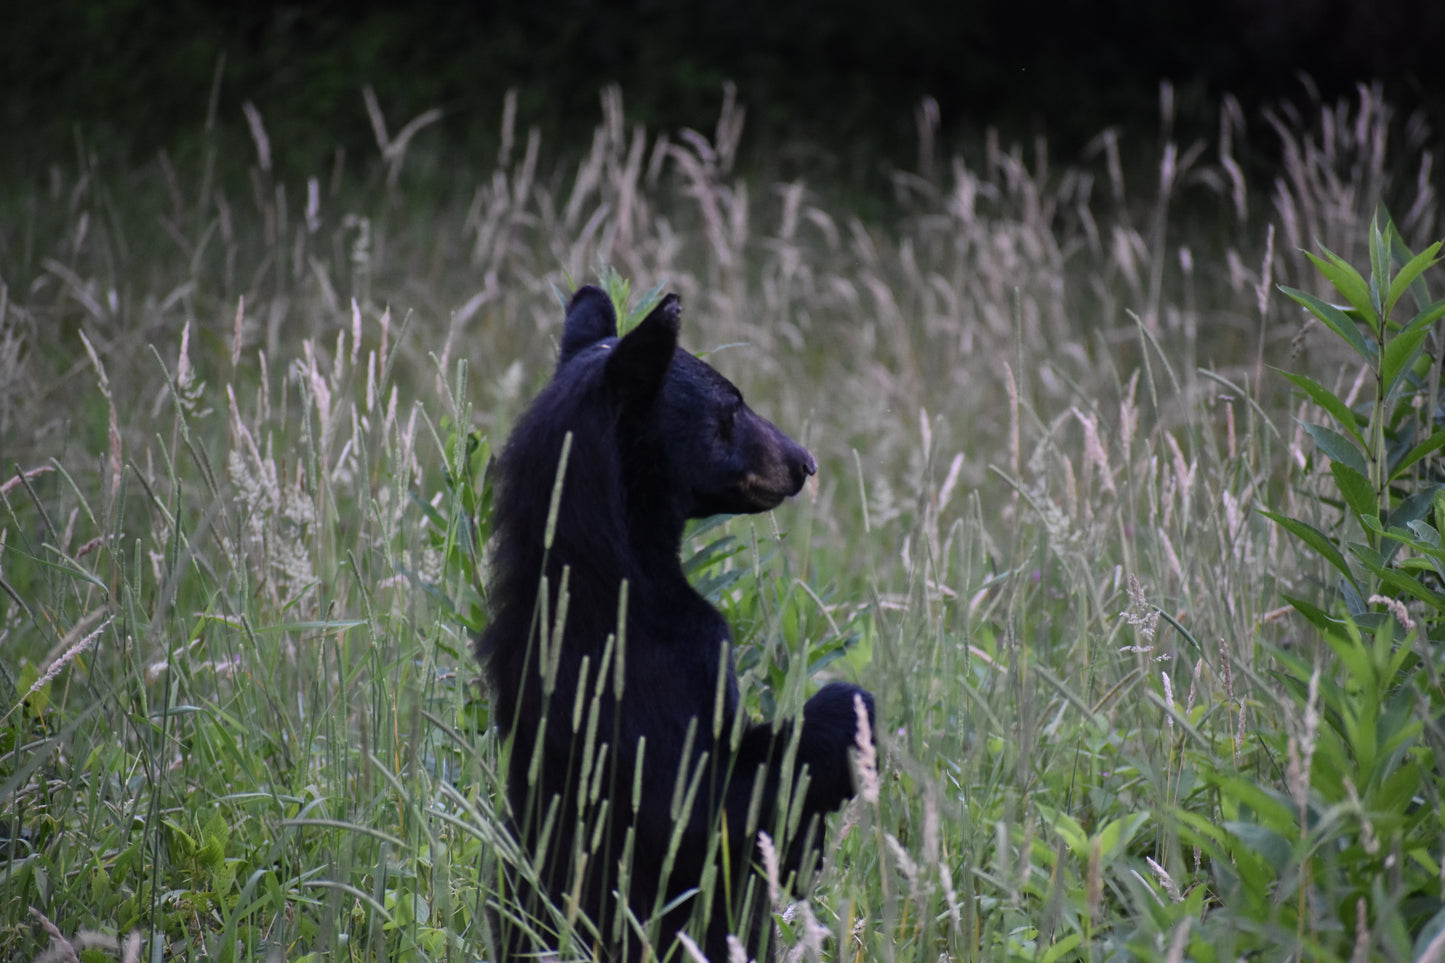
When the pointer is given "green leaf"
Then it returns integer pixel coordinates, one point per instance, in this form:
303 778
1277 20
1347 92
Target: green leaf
427 509
1333 318
1326 399
1368 556
1398 723
212 853
1272 846
1417 265
1426 447
1204 833
1315 539
1345 278
1398 521
1358 493
1355 603
1398 582
645 304
1351 654
619 290
1428 537
1068 829
1415 566
182 845
1119 832
271 883
1399 355
1428 934
1379 258
223 876
1063 949
1317 616
1428 315
1414 508
1401 253
1339 448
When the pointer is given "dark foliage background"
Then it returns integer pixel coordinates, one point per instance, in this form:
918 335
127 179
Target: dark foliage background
136 74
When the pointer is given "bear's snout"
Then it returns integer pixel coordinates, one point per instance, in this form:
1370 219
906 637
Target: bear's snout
781 469
802 466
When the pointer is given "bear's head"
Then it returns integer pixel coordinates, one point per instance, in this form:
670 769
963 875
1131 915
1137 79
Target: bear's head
688 439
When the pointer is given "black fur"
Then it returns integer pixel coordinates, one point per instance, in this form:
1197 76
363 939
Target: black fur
658 437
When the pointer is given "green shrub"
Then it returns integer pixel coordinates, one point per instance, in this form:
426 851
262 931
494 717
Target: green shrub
1331 840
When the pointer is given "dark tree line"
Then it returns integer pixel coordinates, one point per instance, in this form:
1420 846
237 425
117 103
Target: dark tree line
846 73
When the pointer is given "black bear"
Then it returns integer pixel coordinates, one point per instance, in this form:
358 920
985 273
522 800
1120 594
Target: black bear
636 783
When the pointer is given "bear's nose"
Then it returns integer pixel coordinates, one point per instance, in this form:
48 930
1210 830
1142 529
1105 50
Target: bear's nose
803 466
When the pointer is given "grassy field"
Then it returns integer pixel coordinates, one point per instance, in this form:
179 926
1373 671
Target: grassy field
244 425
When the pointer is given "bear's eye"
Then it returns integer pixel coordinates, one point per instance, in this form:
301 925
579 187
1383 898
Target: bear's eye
725 423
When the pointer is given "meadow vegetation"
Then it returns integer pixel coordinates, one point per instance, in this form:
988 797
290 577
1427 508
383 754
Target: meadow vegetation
1127 513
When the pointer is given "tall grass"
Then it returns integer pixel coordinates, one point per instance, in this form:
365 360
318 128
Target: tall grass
245 423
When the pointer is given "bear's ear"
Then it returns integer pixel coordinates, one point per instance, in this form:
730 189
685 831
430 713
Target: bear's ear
637 367
590 318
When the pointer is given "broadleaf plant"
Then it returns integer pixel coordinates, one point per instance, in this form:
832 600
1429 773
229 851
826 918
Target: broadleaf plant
1379 450
1363 758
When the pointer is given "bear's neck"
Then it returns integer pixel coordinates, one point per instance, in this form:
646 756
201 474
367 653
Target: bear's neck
655 543
643 550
